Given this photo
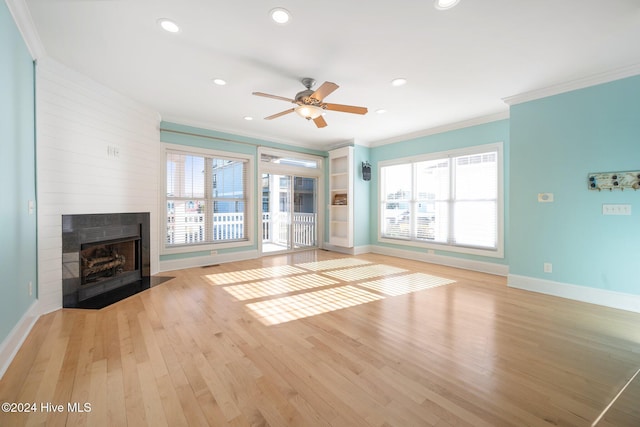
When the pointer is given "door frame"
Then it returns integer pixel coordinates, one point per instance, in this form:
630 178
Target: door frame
293 171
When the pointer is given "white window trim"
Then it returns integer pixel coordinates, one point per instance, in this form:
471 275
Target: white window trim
266 167
477 149
250 213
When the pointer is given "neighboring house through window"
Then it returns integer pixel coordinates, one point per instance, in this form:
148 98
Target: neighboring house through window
207 198
448 200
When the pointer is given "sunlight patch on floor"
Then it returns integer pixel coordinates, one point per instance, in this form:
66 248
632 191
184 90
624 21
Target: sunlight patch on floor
402 285
281 285
366 272
254 274
286 309
332 263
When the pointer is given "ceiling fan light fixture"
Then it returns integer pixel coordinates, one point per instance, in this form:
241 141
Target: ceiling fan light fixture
309 112
280 15
445 4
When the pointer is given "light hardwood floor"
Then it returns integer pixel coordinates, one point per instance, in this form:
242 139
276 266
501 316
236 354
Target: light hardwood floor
318 338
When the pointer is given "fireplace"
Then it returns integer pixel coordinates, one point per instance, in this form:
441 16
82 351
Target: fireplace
105 258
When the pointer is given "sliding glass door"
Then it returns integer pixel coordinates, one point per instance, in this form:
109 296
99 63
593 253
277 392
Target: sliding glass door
291 190
305 215
289 212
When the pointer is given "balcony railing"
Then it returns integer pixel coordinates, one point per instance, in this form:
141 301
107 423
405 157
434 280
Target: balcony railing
190 228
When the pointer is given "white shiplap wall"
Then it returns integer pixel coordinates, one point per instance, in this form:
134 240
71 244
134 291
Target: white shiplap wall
97 152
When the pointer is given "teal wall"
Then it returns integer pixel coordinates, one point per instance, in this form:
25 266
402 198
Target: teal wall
361 198
214 140
487 133
18 252
550 145
555 143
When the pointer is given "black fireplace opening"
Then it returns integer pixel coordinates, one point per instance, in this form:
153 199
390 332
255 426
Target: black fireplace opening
105 258
108 265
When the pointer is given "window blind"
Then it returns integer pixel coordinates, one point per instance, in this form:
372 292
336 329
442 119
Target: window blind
206 199
450 200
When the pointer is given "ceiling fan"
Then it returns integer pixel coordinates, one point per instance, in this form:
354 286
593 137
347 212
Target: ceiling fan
310 103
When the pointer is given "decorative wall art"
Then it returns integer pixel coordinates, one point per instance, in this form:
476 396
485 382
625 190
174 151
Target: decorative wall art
614 180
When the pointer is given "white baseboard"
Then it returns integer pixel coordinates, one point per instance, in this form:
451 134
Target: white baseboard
466 264
339 249
10 346
359 250
201 261
356 250
613 299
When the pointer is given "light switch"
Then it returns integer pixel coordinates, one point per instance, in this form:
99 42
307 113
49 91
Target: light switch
616 209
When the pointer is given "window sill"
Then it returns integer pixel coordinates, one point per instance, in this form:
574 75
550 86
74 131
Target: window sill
490 253
205 247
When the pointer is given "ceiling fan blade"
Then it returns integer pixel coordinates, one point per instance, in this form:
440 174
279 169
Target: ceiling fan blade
346 108
320 122
282 113
324 90
266 95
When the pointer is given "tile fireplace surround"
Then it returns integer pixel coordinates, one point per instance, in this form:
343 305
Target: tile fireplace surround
102 234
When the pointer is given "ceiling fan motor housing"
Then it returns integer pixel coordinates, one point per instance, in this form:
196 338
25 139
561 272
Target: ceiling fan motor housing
305 98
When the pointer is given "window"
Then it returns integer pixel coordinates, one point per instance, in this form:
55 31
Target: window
279 157
206 199
451 199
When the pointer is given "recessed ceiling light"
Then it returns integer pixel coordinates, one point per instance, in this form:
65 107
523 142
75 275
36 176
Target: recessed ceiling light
220 82
399 82
248 118
445 4
280 15
168 25
381 111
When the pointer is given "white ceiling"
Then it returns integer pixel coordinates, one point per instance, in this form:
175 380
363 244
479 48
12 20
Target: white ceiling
459 63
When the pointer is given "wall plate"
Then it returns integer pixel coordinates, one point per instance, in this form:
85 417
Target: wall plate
616 209
545 197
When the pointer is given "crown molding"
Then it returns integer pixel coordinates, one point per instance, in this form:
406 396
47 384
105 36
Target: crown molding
242 137
441 129
26 26
348 143
581 83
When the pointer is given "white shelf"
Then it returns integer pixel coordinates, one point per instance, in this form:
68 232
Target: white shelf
341 184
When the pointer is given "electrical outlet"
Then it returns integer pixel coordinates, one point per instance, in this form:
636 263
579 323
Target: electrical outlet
548 267
30 288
